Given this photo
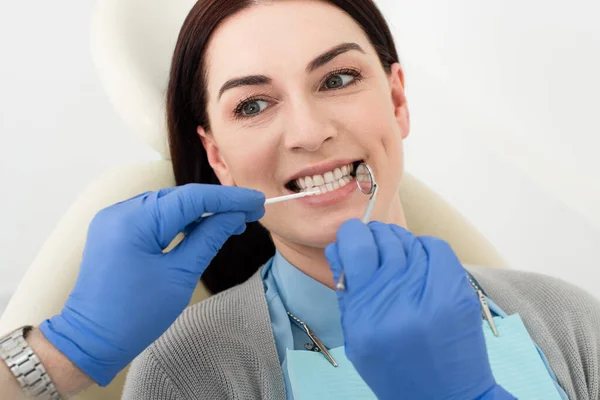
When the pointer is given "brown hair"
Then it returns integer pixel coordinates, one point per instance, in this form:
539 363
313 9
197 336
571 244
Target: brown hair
241 256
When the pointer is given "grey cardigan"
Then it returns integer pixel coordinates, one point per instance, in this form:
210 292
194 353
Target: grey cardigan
224 348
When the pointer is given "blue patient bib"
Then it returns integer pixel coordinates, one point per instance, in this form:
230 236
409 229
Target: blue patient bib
517 364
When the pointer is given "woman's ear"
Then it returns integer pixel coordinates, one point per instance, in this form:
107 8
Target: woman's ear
399 99
216 161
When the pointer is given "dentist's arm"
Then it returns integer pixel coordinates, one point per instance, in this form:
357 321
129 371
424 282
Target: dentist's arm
128 291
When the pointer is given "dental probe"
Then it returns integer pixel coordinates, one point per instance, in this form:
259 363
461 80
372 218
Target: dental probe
279 199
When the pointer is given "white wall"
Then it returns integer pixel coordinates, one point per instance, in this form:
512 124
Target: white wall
504 99
503 104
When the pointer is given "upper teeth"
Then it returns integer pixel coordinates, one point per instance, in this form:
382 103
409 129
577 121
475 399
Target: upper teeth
331 180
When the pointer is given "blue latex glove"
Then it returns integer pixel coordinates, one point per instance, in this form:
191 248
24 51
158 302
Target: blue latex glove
128 291
411 320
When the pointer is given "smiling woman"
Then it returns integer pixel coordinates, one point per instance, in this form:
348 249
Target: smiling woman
288 96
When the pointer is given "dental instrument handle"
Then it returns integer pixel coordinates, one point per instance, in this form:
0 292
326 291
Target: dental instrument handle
279 199
340 285
291 197
369 210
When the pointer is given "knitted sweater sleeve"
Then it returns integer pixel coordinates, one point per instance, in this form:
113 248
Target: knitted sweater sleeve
148 380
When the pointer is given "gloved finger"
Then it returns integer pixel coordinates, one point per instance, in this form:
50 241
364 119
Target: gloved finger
443 259
137 196
181 207
405 236
197 250
165 191
392 255
417 260
358 253
188 229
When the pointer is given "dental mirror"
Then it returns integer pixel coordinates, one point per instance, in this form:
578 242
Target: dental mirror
367 185
365 179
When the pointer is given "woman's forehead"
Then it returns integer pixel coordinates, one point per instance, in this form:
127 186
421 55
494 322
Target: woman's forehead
279 37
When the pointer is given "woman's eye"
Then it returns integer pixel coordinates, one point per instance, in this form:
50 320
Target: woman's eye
338 81
253 107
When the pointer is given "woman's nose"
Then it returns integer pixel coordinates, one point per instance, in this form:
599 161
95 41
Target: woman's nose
308 127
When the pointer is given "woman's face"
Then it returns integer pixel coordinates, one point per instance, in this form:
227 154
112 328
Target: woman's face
296 90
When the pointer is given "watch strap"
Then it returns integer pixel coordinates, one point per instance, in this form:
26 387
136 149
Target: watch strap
26 366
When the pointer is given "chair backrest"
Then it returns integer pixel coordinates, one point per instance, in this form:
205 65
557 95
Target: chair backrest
131 44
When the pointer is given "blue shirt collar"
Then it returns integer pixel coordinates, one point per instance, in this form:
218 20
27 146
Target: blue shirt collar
309 300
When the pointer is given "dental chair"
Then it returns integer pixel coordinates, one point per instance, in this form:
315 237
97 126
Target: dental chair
132 42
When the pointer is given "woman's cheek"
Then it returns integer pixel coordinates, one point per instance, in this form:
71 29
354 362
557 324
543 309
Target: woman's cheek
252 168
365 116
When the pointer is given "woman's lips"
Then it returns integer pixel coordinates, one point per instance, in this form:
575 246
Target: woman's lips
330 197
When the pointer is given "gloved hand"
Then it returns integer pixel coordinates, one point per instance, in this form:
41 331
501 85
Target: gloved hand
411 320
128 291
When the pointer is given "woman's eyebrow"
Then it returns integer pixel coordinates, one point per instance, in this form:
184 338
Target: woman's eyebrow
331 54
260 80
251 80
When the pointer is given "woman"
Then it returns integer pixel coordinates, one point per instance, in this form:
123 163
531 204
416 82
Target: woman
267 96
283 96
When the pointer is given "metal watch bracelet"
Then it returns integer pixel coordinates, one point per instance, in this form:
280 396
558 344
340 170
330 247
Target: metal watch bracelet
26 366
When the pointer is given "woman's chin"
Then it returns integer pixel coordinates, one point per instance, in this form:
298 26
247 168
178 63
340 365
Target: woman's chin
317 234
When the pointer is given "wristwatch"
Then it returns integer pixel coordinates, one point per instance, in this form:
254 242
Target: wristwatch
26 366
